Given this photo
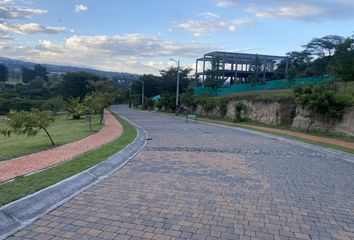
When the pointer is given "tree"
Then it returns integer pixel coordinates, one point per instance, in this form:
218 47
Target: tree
298 64
4 73
28 123
27 74
343 60
256 69
213 75
77 84
38 71
54 104
324 46
168 81
151 85
321 100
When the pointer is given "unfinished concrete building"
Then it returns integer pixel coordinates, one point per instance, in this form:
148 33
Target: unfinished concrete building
237 67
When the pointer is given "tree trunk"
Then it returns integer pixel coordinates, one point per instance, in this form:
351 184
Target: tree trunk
102 115
310 125
49 136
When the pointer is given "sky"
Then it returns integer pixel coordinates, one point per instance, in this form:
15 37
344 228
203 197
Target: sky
141 36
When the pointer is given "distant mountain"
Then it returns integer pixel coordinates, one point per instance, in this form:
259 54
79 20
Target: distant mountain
15 66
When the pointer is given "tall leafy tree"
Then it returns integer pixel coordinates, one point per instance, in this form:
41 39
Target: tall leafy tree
343 64
324 46
256 69
168 82
213 75
4 73
76 84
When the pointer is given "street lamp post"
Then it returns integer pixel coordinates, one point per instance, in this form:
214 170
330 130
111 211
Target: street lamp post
142 93
177 88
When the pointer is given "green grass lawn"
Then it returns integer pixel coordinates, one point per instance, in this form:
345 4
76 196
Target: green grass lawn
63 130
23 186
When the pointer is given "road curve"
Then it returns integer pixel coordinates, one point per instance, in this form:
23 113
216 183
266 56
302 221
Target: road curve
199 181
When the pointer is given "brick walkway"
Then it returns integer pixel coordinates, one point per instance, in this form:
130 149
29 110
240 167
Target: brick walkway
197 181
304 136
41 160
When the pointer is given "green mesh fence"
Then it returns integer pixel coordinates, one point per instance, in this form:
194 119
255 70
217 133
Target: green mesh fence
270 85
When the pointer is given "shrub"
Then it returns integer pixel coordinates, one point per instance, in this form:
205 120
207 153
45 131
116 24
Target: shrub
322 100
239 107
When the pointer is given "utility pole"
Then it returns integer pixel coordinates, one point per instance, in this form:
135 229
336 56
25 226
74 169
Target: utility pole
177 87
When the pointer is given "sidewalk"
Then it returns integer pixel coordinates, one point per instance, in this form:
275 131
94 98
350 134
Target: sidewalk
45 159
304 136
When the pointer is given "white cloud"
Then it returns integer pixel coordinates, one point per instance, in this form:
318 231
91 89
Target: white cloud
209 15
309 10
203 27
80 8
29 28
128 53
225 3
16 12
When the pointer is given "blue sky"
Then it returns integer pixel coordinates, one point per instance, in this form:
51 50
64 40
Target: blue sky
140 36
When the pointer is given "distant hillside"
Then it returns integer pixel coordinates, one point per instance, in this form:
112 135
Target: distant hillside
15 66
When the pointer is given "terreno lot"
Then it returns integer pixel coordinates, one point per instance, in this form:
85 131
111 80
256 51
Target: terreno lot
198 181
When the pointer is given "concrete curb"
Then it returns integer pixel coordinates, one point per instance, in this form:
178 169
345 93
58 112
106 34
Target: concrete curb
23 212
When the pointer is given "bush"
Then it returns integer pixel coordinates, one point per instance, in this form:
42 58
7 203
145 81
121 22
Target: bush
239 107
322 100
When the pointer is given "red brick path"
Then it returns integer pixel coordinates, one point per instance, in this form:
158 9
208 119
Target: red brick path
41 160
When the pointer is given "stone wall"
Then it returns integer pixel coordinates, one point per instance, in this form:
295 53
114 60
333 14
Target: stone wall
344 126
274 112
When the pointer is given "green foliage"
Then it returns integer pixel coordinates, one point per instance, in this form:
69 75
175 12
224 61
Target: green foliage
322 100
76 84
344 60
38 71
76 107
256 69
208 103
188 99
223 106
168 80
4 73
167 102
28 123
213 75
54 104
239 107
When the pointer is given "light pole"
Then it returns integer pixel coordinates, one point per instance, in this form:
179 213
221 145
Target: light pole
177 88
142 93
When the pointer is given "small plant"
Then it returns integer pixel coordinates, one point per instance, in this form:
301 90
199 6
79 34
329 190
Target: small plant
239 107
28 123
76 108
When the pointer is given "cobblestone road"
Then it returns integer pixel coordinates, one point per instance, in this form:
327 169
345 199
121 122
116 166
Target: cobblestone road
197 181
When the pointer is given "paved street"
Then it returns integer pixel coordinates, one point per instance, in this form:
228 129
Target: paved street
198 181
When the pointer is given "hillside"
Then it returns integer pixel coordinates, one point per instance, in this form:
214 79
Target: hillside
15 66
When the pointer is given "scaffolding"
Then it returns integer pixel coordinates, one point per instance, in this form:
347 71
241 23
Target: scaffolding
237 67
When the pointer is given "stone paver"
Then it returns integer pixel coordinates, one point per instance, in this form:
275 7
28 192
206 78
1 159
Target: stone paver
197 181
305 136
41 160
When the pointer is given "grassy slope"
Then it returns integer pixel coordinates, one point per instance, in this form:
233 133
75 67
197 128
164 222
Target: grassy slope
63 131
23 186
